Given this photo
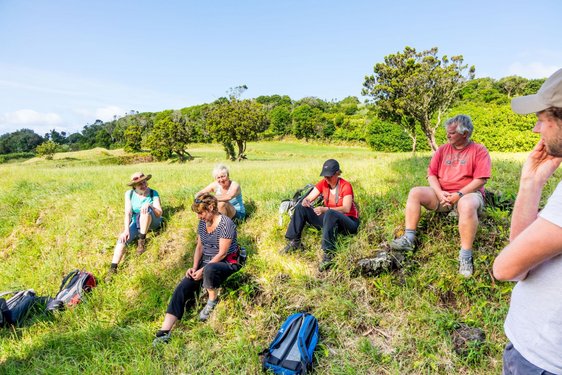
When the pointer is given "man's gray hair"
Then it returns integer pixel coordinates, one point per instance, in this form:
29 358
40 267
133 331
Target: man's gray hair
463 122
220 169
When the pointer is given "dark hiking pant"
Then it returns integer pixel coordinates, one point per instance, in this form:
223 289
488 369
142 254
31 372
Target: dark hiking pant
330 223
187 290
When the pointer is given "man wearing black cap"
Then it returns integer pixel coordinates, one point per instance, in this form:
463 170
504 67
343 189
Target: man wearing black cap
338 214
533 256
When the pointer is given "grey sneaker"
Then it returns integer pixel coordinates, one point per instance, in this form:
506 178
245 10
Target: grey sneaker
164 339
207 310
402 244
291 246
466 268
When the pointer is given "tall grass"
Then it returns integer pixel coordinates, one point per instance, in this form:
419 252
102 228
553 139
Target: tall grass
66 213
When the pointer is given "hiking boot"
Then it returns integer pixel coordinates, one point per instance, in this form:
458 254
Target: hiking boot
110 273
466 268
291 246
141 248
164 338
207 310
326 263
402 244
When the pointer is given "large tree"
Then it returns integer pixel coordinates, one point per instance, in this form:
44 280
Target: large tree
171 133
234 121
416 88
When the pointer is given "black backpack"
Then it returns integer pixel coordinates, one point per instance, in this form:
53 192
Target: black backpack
288 206
16 309
72 289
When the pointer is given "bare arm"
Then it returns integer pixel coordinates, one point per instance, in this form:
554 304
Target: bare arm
224 244
536 171
197 255
533 240
156 207
539 242
208 189
232 191
434 184
310 197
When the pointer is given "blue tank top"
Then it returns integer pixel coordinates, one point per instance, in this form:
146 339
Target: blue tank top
236 202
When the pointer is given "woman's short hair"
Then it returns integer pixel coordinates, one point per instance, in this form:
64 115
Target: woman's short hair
220 169
463 122
205 202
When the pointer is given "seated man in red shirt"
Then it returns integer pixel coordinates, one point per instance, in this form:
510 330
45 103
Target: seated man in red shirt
338 214
457 173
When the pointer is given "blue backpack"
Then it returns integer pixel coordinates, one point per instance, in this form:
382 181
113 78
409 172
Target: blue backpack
292 348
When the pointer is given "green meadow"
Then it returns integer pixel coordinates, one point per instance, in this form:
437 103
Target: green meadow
66 213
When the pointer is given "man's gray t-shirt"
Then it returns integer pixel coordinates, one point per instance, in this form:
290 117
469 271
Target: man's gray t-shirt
534 320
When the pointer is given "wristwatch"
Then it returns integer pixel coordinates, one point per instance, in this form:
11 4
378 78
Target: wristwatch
460 194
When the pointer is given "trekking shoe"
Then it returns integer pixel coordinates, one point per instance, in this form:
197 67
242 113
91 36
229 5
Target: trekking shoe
291 246
109 275
141 246
164 338
207 310
326 263
466 268
402 244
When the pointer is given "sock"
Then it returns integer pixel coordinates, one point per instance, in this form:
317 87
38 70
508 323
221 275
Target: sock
142 236
465 253
410 235
113 266
161 333
213 302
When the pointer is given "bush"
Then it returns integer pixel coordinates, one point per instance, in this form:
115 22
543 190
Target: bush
47 149
16 155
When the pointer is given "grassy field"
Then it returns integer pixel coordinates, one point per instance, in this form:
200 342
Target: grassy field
66 213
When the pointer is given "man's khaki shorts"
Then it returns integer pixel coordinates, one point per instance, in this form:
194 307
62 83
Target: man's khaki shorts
477 194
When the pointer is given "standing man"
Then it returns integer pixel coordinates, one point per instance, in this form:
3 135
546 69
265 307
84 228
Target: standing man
534 321
457 173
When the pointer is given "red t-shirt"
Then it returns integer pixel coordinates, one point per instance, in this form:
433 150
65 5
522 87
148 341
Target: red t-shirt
343 190
455 169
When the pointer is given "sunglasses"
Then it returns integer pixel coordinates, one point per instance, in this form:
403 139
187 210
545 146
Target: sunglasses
138 177
198 201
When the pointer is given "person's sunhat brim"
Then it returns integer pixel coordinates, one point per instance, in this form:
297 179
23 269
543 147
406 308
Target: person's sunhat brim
139 180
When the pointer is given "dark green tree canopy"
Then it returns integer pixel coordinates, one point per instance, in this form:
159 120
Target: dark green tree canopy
411 87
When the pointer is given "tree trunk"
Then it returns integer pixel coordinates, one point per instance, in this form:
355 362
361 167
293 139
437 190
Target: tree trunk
241 149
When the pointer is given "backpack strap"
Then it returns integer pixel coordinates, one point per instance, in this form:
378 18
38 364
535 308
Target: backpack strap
68 277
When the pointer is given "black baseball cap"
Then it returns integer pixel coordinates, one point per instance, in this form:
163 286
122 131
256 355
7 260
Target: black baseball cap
330 168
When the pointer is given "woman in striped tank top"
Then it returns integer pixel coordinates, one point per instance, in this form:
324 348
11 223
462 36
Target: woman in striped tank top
214 260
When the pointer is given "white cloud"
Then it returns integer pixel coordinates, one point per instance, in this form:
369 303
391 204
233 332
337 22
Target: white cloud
532 69
107 113
28 118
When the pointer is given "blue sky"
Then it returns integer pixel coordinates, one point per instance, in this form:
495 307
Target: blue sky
64 64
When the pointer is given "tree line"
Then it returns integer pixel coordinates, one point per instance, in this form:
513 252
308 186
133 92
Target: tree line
409 95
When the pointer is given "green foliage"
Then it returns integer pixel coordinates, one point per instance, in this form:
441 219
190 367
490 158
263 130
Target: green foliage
482 90
236 121
24 140
280 120
499 128
15 156
133 138
171 134
47 149
304 122
411 87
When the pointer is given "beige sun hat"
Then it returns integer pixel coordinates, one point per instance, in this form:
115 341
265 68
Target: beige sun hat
549 95
138 177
